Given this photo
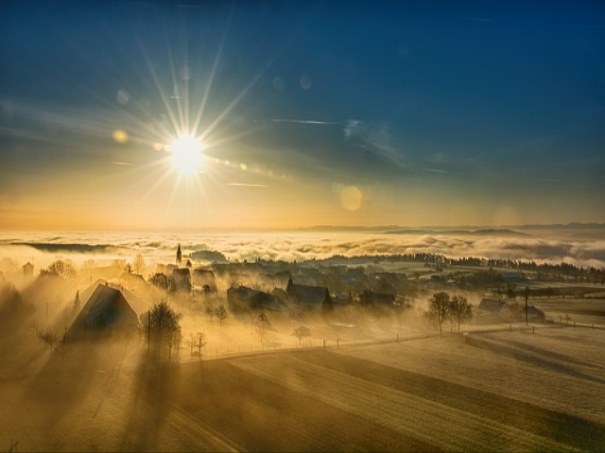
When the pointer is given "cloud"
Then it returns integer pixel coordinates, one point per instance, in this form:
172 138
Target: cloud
434 170
295 121
243 184
376 138
300 246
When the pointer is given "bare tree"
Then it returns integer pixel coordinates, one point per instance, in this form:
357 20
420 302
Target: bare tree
63 269
262 325
197 341
210 312
221 314
439 308
48 336
300 332
460 310
139 264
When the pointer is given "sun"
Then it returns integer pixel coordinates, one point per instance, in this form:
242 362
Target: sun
186 155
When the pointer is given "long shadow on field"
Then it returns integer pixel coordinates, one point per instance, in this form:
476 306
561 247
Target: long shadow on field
517 354
153 386
560 427
541 351
64 382
251 413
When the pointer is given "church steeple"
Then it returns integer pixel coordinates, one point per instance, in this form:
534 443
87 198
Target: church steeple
179 254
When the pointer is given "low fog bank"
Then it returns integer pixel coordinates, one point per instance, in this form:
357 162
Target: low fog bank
579 246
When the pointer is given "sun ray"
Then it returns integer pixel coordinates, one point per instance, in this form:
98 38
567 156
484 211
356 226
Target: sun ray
217 59
158 85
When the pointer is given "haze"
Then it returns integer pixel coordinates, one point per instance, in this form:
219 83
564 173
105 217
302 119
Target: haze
302 226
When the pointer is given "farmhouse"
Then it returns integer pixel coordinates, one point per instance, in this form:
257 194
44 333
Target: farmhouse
493 310
181 279
533 314
242 298
368 298
205 279
311 297
106 312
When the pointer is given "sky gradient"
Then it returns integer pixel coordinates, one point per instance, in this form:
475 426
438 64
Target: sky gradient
342 113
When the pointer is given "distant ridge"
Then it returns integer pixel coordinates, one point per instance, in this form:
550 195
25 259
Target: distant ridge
479 232
395 229
459 229
57 247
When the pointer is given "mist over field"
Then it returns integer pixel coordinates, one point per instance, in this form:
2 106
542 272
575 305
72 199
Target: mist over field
578 246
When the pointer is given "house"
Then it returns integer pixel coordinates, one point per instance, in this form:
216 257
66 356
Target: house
281 295
533 314
493 310
241 299
311 297
28 270
370 298
181 279
204 278
106 312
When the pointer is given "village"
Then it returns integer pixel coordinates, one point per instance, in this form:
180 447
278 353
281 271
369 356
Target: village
65 305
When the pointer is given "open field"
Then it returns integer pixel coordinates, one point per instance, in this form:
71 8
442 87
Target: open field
582 310
505 391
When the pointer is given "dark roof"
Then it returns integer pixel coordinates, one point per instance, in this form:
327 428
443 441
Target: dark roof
379 298
492 305
308 295
203 276
107 309
243 298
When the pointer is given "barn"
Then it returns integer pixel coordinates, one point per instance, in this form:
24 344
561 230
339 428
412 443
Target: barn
108 311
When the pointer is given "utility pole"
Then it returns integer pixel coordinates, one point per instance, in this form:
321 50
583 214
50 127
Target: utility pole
526 310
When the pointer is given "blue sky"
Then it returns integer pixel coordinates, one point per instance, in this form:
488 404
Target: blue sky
495 107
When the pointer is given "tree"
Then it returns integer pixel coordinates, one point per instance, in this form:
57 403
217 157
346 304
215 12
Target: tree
197 340
210 312
300 332
460 310
48 336
161 325
439 308
179 254
221 314
262 325
63 269
139 264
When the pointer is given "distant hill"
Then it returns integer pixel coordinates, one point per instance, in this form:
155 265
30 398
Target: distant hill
460 229
56 247
479 232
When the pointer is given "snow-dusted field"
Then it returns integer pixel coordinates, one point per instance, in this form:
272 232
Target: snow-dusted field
499 391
